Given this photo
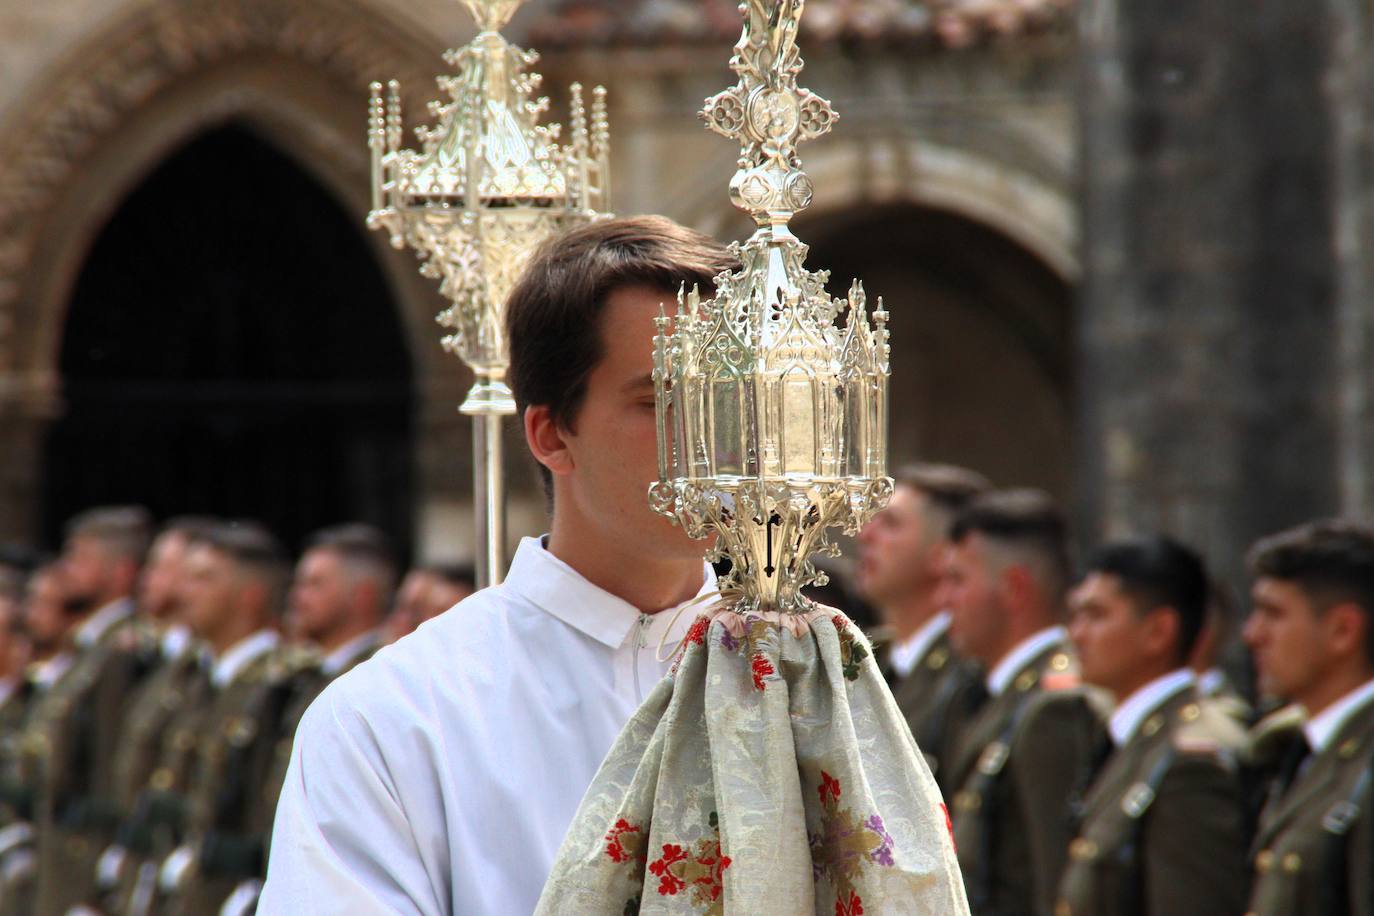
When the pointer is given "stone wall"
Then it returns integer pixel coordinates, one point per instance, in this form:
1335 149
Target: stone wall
1223 324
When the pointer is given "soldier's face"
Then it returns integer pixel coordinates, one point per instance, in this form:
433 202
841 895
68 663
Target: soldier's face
1289 639
1113 639
45 612
209 590
977 614
159 584
87 568
897 556
612 452
320 593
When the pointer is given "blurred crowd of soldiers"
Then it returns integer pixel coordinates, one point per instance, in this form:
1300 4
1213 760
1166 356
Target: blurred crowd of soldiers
1094 758
150 685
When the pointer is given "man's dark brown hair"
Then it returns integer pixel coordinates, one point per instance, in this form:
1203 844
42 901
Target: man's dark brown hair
124 531
362 548
553 316
947 488
1331 561
1023 518
255 553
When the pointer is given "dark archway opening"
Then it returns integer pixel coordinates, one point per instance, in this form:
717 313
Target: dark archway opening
232 347
982 339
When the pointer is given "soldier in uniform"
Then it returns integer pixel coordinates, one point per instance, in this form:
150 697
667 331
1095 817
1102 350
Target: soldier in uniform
234 592
47 625
1312 634
1038 737
170 689
1164 827
902 557
342 589
16 689
76 724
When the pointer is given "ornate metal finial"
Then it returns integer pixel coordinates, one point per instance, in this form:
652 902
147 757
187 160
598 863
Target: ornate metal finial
489 184
772 419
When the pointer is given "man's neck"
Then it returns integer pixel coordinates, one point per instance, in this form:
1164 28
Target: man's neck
1013 640
1332 689
343 635
244 627
642 582
908 614
1130 686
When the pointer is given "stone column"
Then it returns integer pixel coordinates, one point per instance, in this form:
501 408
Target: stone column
1208 325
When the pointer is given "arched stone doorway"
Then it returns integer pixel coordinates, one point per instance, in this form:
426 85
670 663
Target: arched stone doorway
232 347
982 346
296 73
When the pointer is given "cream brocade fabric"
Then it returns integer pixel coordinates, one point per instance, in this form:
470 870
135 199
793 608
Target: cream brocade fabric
770 773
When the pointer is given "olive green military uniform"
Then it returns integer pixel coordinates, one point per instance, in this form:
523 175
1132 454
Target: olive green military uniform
938 697
14 800
152 763
158 822
72 736
1164 827
16 803
225 835
1313 852
1018 764
1216 688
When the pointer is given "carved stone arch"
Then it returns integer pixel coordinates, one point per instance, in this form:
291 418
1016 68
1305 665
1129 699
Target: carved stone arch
295 71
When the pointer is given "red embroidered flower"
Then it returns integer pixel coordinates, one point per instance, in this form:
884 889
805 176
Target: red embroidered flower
949 825
854 907
829 787
762 668
711 884
696 634
615 841
669 884
840 622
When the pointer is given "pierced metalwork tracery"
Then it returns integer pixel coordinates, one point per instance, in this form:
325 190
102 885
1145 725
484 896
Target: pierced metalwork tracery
772 417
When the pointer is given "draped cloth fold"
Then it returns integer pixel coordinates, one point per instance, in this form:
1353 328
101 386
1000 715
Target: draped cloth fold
770 773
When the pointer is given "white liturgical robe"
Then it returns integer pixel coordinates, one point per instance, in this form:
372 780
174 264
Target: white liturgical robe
440 776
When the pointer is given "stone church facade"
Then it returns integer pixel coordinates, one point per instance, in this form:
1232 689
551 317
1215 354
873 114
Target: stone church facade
1098 364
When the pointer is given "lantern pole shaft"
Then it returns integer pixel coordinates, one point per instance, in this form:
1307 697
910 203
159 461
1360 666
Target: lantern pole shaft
489 486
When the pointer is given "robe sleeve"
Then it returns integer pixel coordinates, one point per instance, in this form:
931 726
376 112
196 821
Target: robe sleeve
342 842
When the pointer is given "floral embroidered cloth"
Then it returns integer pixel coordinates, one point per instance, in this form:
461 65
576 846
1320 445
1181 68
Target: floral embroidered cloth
770 773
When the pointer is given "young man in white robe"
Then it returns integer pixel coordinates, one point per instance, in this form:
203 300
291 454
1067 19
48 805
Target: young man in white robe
440 776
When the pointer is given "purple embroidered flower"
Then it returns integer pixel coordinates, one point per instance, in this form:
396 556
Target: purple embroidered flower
728 642
883 854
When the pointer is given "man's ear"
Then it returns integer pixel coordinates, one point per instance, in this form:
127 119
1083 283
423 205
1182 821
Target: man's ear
1345 625
1017 586
1162 630
545 437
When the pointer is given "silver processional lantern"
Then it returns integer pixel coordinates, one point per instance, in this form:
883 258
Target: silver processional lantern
487 186
772 418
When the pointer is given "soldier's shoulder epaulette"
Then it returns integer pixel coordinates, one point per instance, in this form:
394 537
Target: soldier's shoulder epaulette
287 662
1203 731
1270 736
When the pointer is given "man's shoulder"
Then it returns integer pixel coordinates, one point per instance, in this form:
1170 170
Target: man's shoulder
460 650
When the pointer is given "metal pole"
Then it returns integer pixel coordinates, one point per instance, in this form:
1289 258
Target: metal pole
488 490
